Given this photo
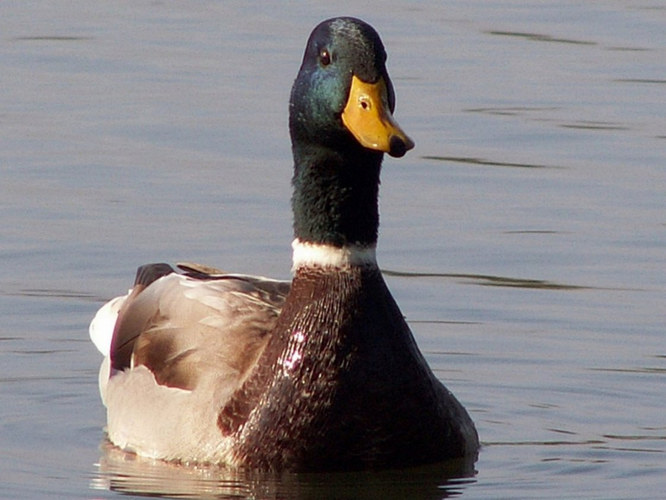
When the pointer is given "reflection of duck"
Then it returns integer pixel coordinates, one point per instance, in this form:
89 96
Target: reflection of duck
325 374
134 475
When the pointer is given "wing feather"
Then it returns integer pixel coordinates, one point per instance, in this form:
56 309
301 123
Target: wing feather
187 330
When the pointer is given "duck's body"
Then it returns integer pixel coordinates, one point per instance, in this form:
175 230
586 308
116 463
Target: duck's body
323 374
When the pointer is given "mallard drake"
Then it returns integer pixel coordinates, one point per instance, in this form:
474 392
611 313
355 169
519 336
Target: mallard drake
321 373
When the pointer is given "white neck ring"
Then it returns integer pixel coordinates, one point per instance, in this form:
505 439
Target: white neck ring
322 255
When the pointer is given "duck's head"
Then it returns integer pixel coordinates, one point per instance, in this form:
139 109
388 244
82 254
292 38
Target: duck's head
343 93
341 124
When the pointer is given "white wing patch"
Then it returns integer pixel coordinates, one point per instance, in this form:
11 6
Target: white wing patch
102 325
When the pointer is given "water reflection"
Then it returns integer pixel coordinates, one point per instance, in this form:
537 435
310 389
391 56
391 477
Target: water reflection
484 162
51 38
127 473
511 110
594 125
539 37
489 280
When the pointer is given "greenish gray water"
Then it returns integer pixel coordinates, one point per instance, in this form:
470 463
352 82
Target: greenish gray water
524 237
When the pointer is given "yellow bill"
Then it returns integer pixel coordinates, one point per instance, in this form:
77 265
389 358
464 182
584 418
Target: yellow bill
368 117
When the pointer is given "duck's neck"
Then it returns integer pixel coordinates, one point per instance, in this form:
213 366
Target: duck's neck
335 200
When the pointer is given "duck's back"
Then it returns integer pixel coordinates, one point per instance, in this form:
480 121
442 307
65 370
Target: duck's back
181 347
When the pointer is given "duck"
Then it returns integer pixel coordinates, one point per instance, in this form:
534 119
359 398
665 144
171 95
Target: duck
319 373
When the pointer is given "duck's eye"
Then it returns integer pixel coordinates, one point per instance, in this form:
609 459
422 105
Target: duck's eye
324 57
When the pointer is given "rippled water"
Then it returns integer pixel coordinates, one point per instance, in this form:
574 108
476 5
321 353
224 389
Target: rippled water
524 237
